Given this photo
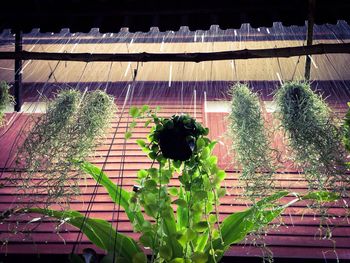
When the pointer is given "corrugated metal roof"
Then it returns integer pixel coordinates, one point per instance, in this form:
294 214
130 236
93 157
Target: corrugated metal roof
111 16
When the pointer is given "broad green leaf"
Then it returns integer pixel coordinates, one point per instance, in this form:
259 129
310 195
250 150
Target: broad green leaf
202 241
144 108
235 227
173 191
322 196
200 143
177 164
128 135
198 257
212 145
153 172
180 202
221 175
132 125
142 174
182 213
150 183
190 234
152 155
268 200
221 192
141 143
205 153
180 260
147 123
100 232
117 194
134 112
201 226
169 228
212 219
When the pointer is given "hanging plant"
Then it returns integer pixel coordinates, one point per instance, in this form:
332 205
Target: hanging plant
5 100
253 152
194 233
250 143
96 111
177 136
70 129
313 136
346 130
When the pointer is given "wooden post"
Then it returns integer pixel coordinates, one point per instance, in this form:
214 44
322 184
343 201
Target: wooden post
310 32
283 52
18 72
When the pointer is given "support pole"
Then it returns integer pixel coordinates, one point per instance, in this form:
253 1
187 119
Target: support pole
310 33
18 72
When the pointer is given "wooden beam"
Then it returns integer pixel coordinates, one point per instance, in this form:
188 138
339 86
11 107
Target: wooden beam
18 72
185 57
310 34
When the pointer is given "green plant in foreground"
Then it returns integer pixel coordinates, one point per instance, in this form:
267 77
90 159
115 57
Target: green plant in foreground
70 129
5 99
250 142
193 233
313 136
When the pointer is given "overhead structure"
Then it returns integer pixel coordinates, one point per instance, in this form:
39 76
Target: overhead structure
112 15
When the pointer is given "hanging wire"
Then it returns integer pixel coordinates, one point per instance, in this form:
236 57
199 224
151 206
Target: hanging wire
122 165
93 195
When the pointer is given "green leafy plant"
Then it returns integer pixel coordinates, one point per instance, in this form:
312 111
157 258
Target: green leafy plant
72 126
5 100
250 142
192 234
314 137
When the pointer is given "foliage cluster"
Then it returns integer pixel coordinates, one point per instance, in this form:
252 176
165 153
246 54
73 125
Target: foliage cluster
72 126
313 135
250 142
192 234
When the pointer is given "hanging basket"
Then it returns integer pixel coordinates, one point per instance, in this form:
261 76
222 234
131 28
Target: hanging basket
177 137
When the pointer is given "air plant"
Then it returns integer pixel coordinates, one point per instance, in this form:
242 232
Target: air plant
252 148
72 126
313 135
250 142
5 100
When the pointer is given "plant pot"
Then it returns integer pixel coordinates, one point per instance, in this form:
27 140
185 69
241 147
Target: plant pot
177 137
175 144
